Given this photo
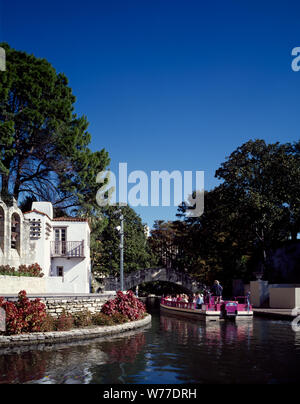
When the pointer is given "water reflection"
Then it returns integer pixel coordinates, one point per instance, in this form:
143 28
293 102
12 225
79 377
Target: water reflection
21 368
124 351
68 362
171 350
213 333
258 351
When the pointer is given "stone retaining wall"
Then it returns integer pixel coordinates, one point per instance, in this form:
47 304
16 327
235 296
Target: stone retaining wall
66 336
56 305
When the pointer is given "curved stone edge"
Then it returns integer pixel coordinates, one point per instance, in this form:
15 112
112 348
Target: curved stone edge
72 335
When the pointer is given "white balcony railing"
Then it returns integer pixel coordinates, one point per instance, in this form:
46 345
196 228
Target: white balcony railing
68 249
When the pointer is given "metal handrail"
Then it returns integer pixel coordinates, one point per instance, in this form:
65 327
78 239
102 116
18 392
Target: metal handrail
69 249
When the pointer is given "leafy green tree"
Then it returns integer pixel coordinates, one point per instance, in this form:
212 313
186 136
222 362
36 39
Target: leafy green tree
213 245
137 254
43 144
263 183
254 209
166 242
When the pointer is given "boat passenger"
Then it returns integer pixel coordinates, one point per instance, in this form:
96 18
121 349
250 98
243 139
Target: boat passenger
206 294
191 301
217 291
199 301
248 299
194 300
185 298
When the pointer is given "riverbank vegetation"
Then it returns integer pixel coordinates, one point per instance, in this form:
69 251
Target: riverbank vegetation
253 211
105 242
27 316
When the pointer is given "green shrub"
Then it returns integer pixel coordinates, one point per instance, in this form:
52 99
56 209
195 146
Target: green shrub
49 324
82 318
64 322
102 319
119 318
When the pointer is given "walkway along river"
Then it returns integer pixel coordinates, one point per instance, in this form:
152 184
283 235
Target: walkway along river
171 350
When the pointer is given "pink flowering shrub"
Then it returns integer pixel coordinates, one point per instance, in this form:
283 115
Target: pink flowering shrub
24 270
23 316
7 270
126 304
30 270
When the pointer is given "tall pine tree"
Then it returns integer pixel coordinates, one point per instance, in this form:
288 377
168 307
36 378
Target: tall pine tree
43 144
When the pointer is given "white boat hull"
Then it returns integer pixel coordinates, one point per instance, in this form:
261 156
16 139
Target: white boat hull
203 314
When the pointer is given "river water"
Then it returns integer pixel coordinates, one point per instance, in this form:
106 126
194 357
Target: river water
171 350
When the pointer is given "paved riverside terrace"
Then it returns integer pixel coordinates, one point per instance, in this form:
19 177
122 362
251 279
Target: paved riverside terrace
283 314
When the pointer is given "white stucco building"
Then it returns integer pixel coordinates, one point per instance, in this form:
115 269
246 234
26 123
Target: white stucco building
61 246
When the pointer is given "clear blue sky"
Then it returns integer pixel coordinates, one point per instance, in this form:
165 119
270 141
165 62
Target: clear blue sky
169 84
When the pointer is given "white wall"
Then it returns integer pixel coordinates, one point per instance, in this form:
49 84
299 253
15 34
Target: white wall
75 273
279 296
33 285
76 270
259 293
297 298
56 284
41 245
14 284
284 297
10 256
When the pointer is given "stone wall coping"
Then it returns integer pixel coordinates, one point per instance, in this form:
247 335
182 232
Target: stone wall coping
65 336
65 297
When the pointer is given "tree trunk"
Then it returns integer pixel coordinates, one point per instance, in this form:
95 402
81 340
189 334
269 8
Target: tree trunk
17 180
4 184
294 234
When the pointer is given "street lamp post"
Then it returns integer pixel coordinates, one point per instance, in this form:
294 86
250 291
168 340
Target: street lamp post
122 252
121 231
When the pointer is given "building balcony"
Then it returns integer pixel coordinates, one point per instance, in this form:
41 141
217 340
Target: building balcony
67 249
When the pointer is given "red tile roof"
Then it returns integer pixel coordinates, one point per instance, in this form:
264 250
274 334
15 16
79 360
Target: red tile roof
59 219
37 211
69 219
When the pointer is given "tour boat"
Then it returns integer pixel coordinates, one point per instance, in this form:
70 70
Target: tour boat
211 310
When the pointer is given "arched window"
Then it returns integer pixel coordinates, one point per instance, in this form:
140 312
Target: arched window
2 217
15 232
